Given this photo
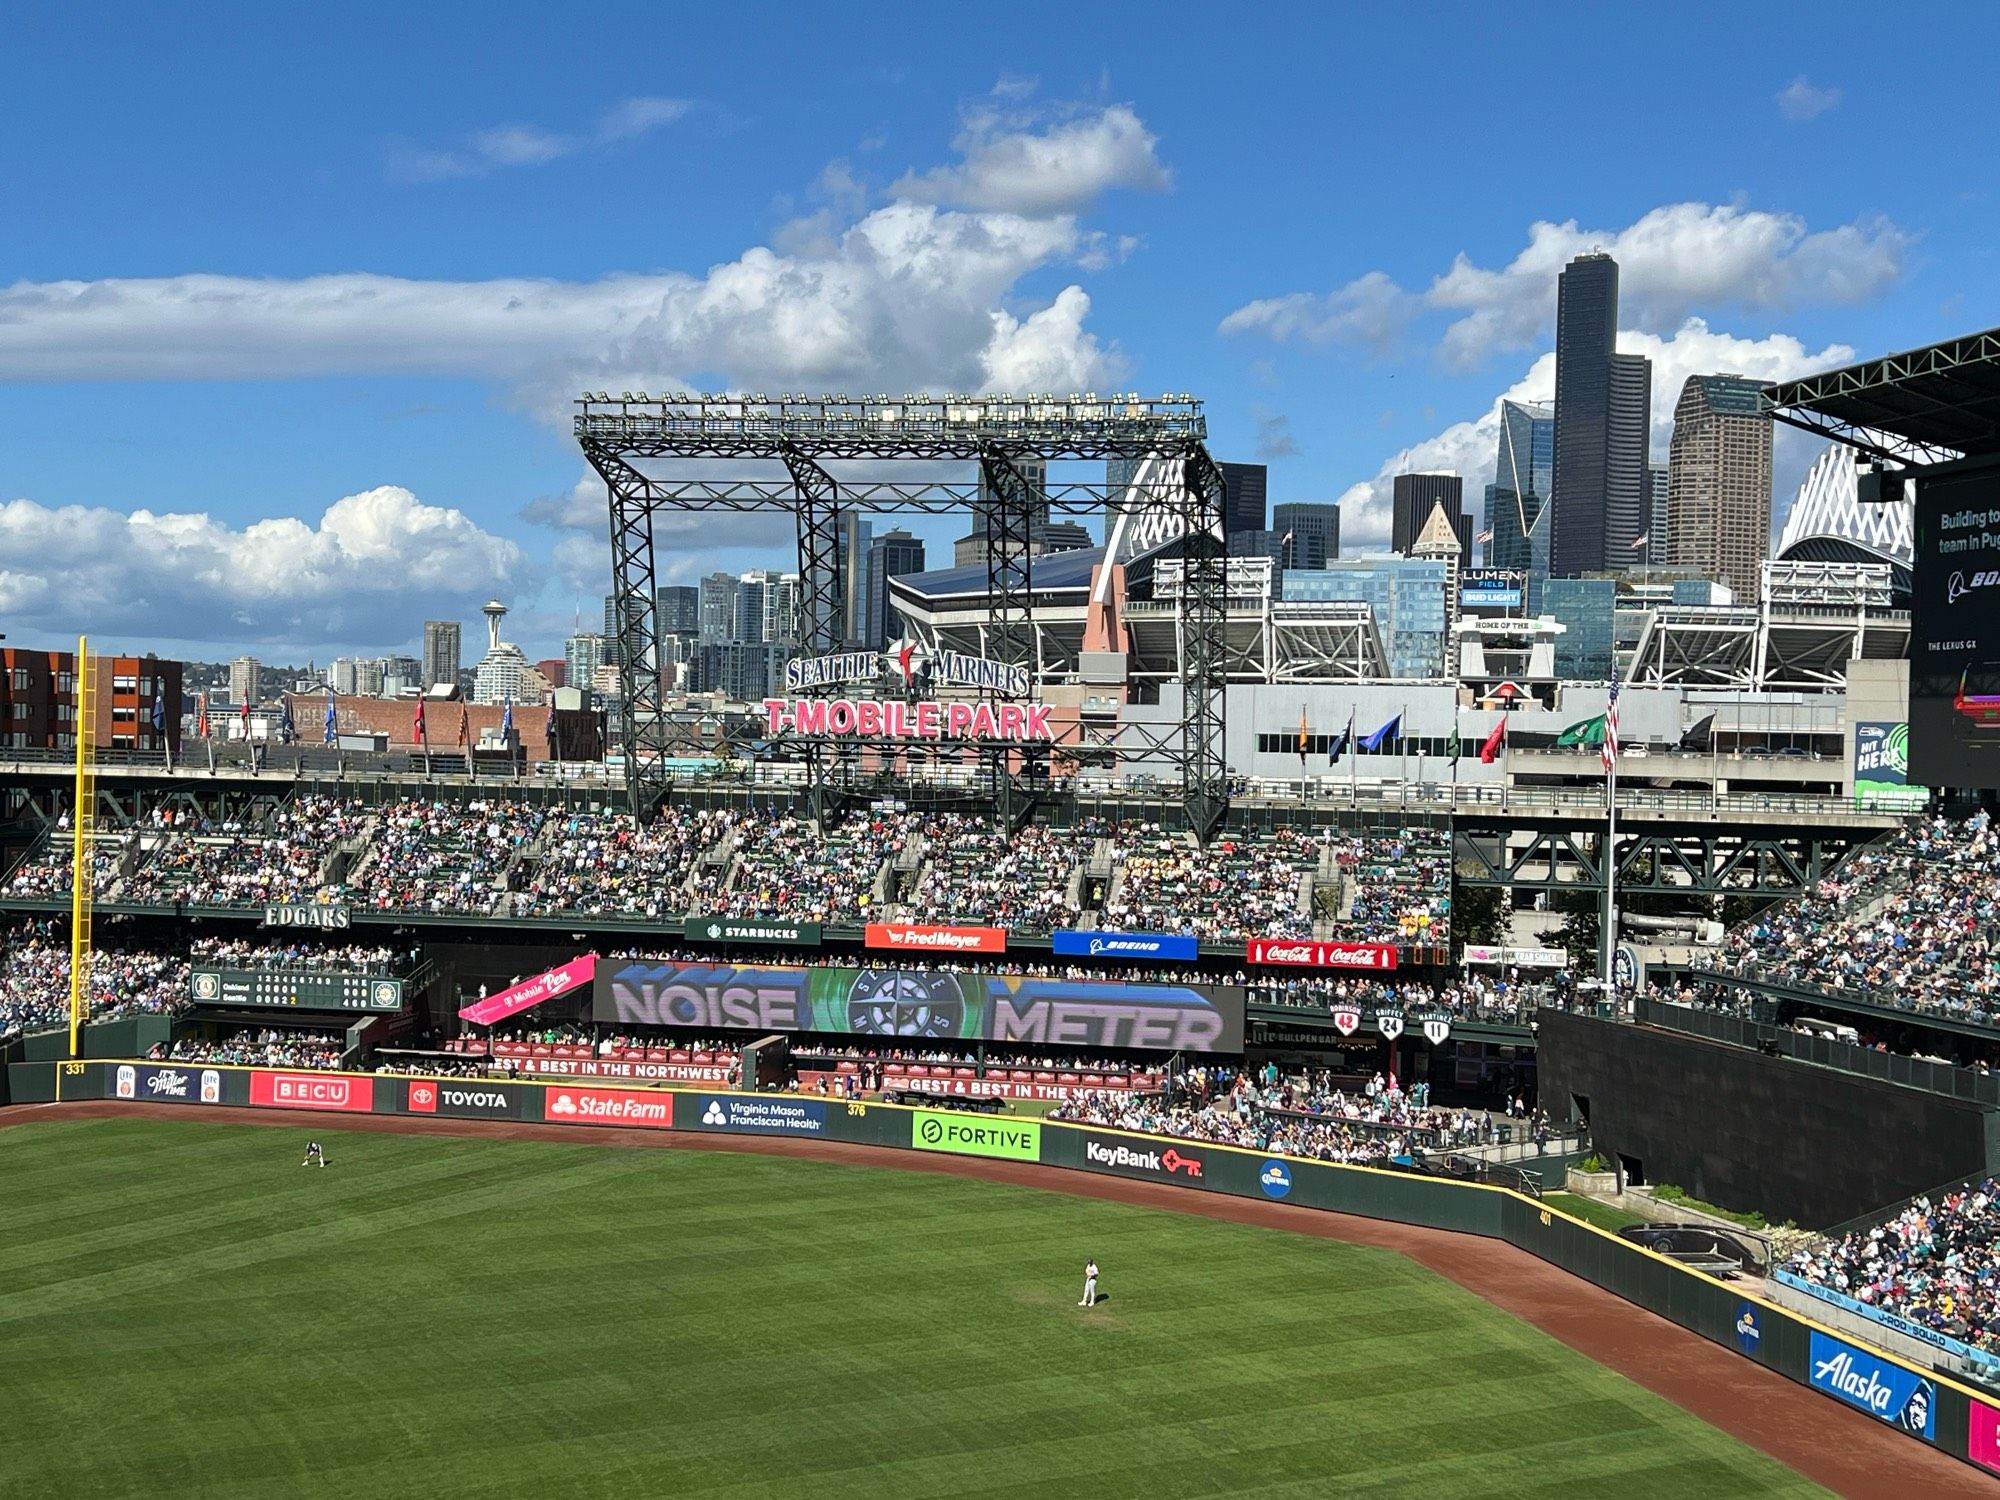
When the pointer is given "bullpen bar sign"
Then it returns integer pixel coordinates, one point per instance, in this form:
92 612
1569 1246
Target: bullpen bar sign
326 918
531 992
1879 1386
909 939
749 930
1306 954
354 1093
1132 946
976 1135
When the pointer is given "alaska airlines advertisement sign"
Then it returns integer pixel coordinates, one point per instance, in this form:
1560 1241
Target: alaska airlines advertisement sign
1879 1386
892 1002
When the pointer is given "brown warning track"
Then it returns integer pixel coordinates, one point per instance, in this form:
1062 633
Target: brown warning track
1847 1452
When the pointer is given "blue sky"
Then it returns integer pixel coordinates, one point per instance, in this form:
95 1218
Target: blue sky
291 305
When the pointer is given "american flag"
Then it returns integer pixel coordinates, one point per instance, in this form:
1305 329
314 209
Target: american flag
1608 752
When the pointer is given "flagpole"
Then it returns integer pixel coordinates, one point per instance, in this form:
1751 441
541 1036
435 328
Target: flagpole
1610 860
1353 763
1403 744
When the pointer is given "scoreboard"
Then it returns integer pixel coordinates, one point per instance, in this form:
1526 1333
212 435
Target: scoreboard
295 989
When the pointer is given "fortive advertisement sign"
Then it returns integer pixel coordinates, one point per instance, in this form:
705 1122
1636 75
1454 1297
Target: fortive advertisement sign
911 939
352 1092
1879 1386
646 1109
1305 953
749 930
1124 945
1145 1160
532 992
976 1135
464 1099
760 1114
183 1085
927 1003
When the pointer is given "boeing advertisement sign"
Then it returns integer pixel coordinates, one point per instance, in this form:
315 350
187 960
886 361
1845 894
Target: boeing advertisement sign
1138 946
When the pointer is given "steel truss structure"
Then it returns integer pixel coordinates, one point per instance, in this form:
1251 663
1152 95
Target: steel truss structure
1923 406
1694 861
659 458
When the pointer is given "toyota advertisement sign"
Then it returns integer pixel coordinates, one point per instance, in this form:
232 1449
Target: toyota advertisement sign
465 1099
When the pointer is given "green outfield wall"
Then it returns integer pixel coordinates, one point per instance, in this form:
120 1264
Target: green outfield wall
1927 1406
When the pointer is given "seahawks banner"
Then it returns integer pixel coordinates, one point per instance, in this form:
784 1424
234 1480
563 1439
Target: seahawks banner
920 1003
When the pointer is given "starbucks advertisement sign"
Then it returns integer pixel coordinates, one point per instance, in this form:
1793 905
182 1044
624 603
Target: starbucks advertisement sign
1882 767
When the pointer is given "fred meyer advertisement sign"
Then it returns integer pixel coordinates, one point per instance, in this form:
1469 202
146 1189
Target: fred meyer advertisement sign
1882 767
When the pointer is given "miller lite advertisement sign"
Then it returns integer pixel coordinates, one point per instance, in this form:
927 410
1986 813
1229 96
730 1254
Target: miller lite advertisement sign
1305 953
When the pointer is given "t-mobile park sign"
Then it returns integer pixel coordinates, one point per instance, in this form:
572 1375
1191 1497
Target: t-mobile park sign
926 719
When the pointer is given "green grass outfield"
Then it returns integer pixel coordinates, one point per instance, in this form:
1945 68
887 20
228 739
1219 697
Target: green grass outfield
184 1310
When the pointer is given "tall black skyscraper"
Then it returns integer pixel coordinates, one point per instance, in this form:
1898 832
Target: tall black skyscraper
1415 497
1244 496
1306 518
890 555
1628 482
1586 328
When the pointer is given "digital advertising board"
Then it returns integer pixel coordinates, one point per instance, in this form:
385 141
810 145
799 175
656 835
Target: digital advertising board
295 989
894 1002
1955 633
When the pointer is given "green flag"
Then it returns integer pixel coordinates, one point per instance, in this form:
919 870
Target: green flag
1451 748
1583 732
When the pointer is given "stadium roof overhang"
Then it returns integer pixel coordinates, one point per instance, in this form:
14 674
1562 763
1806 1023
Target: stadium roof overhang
1924 406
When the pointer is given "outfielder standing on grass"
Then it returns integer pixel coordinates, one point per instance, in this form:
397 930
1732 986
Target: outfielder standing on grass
315 1157
1089 1284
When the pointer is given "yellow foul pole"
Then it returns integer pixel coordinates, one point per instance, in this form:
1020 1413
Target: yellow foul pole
83 823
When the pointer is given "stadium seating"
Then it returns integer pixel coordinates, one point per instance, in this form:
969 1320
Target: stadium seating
238 863
261 1046
34 981
444 857
1234 889
1936 1264
976 879
608 864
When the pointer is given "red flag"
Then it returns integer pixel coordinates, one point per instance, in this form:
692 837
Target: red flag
246 715
417 732
1490 751
461 725
201 716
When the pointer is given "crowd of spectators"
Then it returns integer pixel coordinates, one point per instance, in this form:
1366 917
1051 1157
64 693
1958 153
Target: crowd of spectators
1237 887
1470 996
791 870
266 1047
34 981
432 856
1400 884
239 862
1912 923
1933 1263
610 864
251 953
45 873
978 878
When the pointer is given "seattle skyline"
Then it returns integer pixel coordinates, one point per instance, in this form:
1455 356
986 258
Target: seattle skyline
339 344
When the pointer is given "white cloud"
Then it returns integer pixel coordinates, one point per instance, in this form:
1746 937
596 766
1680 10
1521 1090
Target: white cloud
365 574
1801 100
1674 262
1061 169
516 145
1046 351
1469 448
1274 435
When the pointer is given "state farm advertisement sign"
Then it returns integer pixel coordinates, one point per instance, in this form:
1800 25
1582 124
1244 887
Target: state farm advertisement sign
313 1091
648 1110
909 939
1305 953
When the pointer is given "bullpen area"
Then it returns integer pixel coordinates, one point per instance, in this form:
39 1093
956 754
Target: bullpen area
522 1316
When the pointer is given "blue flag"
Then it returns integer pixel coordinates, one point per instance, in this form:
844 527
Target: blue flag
329 719
159 713
286 730
507 718
1393 730
1339 745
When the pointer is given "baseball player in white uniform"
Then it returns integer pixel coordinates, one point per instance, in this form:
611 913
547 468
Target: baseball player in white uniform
1089 1284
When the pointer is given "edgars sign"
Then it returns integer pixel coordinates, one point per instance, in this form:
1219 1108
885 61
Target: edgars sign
328 918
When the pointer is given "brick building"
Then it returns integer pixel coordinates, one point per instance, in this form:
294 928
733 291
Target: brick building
579 732
38 700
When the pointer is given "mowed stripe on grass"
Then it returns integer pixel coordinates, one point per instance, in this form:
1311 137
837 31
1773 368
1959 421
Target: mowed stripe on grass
184 1309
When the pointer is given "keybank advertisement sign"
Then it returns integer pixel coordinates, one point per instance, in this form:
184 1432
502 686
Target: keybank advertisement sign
922 1003
976 1135
1879 1386
760 1116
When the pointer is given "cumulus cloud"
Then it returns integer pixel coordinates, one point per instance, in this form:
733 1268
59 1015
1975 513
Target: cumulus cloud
1061 168
1674 262
909 294
364 574
1801 100
500 146
1274 436
1469 447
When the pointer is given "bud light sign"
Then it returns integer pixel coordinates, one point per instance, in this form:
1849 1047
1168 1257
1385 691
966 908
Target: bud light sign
1877 1385
1123 945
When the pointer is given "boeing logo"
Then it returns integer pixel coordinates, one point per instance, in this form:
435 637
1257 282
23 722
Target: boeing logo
1959 585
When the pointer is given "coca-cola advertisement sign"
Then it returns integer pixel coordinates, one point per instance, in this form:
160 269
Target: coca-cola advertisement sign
1306 953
